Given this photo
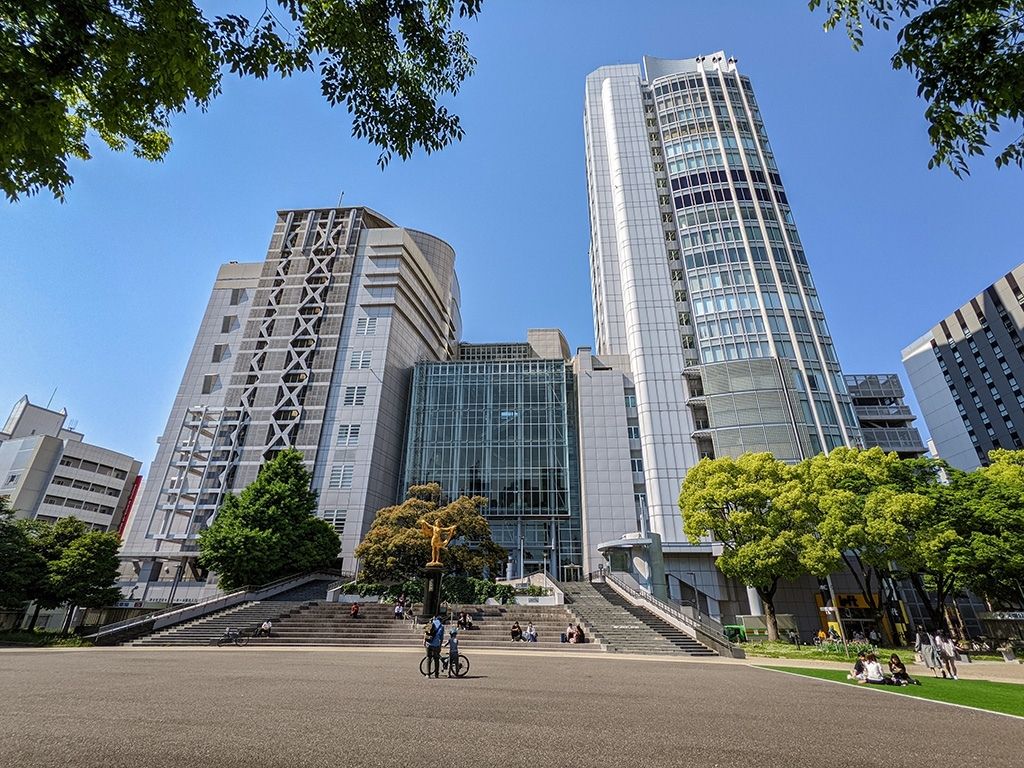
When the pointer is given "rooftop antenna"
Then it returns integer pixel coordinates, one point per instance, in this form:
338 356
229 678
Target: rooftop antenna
341 197
51 398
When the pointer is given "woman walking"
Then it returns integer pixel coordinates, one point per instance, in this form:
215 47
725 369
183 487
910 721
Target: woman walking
947 653
929 653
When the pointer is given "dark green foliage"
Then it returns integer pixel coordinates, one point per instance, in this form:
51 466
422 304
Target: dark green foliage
968 58
462 590
122 68
269 531
395 548
21 566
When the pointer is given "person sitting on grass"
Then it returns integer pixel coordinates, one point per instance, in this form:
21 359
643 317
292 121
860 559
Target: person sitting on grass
873 673
858 668
900 676
517 632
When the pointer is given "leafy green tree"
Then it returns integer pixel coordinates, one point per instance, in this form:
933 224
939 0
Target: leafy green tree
395 548
21 566
84 574
968 58
750 505
872 514
50 541
120 69
977 540
270 530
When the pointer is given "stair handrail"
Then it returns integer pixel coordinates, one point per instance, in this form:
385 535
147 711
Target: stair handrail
175 615
705 633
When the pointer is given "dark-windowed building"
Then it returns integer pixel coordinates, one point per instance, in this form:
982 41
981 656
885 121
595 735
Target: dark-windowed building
966 373
500 422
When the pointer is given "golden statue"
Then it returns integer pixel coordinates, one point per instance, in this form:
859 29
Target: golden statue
440 536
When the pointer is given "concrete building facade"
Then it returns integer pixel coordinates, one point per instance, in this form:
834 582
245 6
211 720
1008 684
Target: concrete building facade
48 471
966 373
886 421
311 349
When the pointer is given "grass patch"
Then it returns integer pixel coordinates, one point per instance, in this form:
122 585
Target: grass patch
42 639
1007 698
815 653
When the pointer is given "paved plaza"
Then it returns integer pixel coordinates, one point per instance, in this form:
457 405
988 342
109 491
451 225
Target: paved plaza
134 708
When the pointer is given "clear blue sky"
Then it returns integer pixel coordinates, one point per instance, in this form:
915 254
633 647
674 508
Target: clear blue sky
102 295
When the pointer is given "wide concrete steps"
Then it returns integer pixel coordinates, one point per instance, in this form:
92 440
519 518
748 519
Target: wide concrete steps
206 630
329 624
626 628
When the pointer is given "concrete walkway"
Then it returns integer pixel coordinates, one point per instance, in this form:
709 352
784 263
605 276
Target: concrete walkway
228 708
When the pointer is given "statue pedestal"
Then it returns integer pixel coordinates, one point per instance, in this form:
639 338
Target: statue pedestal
431 591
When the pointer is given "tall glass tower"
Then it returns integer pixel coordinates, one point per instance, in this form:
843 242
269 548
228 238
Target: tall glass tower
699 276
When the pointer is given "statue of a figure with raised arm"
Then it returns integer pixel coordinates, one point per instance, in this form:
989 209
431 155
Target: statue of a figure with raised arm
440 536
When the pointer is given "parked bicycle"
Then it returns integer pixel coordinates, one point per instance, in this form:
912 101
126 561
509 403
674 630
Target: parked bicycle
234 636
459 671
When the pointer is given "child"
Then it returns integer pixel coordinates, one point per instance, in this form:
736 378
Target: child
453 652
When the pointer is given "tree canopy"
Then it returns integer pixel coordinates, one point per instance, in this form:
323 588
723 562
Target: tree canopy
395 549
968 58
121 69
270 530
749 504
21 566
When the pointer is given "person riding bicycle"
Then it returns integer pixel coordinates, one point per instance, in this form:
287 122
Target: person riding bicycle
453 652
432 639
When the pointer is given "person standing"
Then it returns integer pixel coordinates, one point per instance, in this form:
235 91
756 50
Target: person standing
432 639
947 652
926 648
453 653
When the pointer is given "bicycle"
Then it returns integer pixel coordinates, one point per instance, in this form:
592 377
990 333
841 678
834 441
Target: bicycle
235 636
460 671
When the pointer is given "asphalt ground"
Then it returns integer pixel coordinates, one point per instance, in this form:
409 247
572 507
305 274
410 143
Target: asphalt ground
135 708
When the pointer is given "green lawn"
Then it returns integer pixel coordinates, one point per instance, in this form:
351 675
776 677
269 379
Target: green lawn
39 638
1007 698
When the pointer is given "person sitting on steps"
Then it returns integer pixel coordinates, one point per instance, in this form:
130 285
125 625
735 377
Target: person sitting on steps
353 612
579 637
517 632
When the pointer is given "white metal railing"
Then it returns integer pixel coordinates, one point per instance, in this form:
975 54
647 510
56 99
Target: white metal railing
702 631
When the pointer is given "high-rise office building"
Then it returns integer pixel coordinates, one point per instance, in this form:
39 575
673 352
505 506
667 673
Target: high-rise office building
701 286
311 349
967 371
500 422
886 421
48 471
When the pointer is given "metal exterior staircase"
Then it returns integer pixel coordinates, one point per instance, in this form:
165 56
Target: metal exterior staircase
625 628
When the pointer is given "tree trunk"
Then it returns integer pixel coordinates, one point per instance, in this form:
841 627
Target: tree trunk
35 617
771 622
934 612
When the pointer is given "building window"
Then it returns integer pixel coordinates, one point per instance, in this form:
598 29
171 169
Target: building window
237 294
219 351
341 476
229 323
630 401
348 434
336 519
354 396
637 465
12 478
633 433
361 359
210 383
366 326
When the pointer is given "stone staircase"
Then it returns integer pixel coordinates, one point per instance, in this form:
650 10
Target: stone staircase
329 624
206 630
625 628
